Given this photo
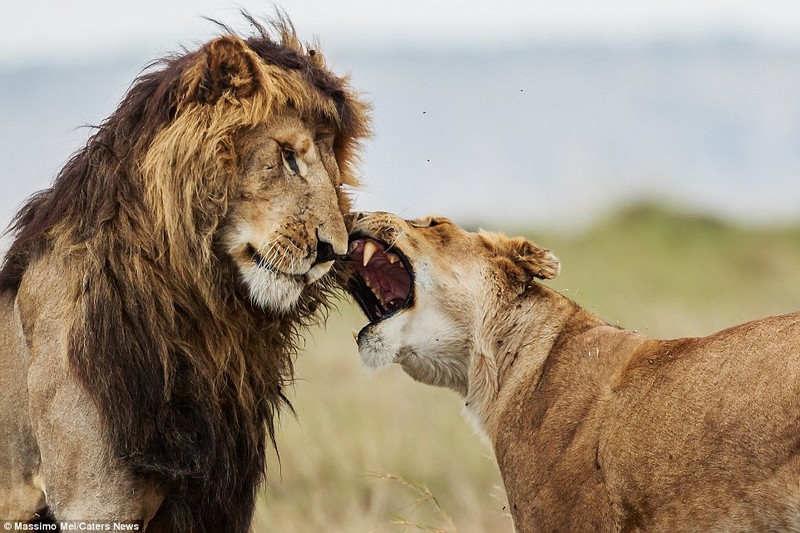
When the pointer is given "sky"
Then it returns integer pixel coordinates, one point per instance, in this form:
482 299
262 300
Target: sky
52 31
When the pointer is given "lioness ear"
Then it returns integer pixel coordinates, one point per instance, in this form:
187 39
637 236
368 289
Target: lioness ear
226 65
528 261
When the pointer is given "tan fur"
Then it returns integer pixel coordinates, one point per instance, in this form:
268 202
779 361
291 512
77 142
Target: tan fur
151 298
596 428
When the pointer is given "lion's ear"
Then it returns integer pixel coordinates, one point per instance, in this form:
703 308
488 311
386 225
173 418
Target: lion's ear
528 261
226 65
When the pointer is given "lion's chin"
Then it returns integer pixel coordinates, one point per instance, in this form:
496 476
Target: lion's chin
272 291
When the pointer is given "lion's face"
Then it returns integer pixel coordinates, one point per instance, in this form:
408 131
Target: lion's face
424 285
285 225
249 166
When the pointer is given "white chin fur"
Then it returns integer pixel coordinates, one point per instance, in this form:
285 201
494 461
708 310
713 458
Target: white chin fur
373 352
317 271
270 290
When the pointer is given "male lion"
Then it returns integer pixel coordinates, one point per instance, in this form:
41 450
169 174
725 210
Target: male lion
595 428
151 296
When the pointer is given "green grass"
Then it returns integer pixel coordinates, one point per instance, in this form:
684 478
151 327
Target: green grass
384 453
671 274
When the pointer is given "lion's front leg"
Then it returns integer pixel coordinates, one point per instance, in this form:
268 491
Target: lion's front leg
83 480
20 490
20 497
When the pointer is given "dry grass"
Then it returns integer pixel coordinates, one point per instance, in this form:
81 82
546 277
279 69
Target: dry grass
364 446
384 453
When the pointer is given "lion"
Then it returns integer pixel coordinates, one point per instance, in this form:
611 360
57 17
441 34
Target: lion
151 298
594 427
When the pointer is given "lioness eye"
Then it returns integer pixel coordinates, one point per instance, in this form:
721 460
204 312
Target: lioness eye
427 222
291 160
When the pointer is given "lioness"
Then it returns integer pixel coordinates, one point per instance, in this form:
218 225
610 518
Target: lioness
595 428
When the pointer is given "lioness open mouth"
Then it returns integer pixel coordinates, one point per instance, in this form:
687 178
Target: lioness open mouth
383 281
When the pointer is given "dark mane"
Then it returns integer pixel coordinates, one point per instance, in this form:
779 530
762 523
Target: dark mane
187 374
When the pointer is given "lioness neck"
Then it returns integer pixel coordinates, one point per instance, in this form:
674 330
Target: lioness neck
512 344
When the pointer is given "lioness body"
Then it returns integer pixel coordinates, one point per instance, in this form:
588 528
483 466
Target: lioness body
151 298
610 430
596 428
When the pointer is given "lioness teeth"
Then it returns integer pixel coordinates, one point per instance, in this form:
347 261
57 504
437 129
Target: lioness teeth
392 258
369 250
394 304
377 294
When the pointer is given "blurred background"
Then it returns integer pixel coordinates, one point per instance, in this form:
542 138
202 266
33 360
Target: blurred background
654 147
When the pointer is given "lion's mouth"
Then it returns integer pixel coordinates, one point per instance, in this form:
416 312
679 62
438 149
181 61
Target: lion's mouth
382 282
261 262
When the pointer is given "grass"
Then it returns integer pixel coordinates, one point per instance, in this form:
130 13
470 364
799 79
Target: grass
384 453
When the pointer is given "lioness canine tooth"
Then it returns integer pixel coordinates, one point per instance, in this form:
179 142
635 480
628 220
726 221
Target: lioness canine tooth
369 250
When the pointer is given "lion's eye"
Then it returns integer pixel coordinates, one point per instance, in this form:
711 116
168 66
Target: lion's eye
290 159
324 134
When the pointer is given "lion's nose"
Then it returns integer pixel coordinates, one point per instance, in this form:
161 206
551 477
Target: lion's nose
325 252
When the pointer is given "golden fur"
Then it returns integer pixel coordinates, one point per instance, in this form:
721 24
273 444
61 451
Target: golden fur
151 296
595 428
